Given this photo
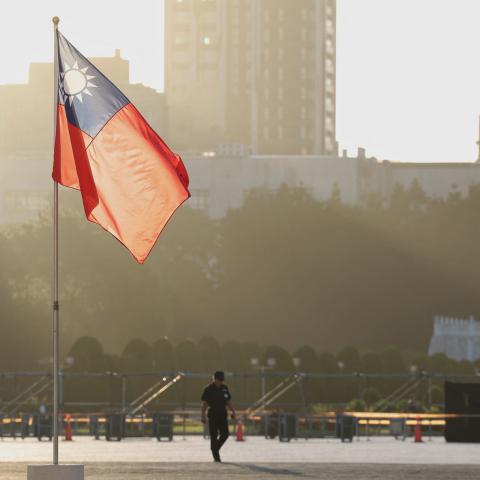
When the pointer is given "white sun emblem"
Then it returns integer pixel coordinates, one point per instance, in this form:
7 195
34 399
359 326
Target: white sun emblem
76 82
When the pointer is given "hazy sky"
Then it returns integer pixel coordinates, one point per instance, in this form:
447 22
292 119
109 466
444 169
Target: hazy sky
408 74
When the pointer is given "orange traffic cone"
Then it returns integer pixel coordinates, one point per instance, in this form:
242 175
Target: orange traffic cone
68 428
240 432
418 431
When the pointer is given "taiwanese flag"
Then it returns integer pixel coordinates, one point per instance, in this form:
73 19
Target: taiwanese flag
131 182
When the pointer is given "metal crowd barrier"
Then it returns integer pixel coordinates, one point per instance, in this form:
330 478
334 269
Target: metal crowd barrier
271 425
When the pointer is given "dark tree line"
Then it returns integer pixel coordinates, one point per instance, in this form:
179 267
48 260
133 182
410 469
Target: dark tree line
284 269
142 364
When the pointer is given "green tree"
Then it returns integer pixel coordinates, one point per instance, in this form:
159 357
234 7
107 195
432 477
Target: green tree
307 357
392 360
211 354
137 356
162 355
349 359
87 355
86 358
371 363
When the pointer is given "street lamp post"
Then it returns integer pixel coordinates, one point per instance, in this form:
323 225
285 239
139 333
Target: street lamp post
255 363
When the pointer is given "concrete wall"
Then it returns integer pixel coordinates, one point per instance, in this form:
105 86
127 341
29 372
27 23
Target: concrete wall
222 182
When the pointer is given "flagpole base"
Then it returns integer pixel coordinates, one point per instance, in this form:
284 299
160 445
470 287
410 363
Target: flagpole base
55 472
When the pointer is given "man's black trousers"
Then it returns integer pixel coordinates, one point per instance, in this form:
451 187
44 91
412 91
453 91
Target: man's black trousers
218 427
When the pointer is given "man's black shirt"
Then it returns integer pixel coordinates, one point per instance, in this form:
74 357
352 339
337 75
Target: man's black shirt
216 398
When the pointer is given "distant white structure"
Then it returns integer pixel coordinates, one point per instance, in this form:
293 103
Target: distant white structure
457 338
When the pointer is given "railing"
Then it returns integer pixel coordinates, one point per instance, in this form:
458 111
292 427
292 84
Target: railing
106 392
367 425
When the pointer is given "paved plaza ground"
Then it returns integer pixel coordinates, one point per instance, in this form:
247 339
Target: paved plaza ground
262 471
257 458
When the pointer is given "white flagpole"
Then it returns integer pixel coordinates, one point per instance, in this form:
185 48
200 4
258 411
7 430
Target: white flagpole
55 471
55 305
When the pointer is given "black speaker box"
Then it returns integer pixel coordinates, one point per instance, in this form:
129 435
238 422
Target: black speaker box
464 399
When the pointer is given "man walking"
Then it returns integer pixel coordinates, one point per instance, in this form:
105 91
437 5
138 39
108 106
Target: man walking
216 398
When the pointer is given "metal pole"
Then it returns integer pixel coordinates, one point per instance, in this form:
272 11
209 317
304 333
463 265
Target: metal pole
263 387
429 391
56 368
265 423
124 393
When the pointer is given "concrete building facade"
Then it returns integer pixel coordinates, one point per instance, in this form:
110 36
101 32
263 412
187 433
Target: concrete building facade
221 182
253 73
437 180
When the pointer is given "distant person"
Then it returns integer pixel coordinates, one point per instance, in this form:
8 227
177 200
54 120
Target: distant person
216 399
412 406
272 425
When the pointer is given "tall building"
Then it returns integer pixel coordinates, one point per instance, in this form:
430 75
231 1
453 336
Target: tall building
27 108
251 74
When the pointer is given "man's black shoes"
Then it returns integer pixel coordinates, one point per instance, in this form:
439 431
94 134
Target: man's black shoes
216 457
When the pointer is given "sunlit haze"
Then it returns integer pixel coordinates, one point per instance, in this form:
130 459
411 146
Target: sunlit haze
96 27
408 79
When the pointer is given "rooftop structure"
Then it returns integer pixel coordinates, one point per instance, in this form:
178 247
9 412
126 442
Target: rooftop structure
457 338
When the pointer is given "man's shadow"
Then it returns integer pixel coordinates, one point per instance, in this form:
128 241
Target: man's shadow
270 470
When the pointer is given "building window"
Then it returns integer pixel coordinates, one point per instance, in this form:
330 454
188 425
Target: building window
329 104
280 93
280 113
329 65
180 40
199 199
235 58
328 143
328 123
280 132
329 84
266 113
266 133
329 25
329 45
25 201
